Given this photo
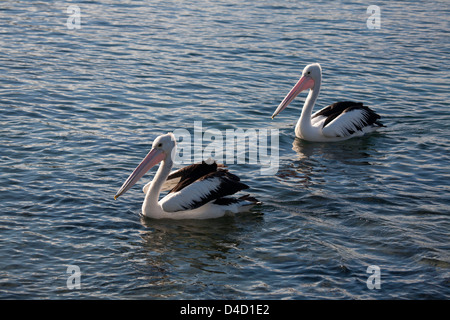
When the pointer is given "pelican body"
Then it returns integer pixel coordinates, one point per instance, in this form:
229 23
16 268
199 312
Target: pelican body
339 121
198 191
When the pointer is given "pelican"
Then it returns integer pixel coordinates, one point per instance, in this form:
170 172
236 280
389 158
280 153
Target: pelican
198 191
339 121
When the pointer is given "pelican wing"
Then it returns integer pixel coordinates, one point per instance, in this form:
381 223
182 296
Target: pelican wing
346 118
335 109
187 175
182 177
212 186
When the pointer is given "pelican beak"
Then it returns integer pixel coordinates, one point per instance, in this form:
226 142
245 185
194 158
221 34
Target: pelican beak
154 157
303 84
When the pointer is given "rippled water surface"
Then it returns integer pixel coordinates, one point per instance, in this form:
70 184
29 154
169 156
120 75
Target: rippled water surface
79 109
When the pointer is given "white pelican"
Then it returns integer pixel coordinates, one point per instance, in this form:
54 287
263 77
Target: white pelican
200 190
339 121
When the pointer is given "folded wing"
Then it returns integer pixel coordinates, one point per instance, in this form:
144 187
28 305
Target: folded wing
346 118
189 195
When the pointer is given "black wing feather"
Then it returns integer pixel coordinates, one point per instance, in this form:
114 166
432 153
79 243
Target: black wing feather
222 183
334 110
192 173
229 200
230 184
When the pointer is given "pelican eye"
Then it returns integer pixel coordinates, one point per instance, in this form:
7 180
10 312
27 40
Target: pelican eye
159 145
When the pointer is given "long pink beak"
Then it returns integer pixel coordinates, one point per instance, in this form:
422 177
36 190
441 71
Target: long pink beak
154 157
303 84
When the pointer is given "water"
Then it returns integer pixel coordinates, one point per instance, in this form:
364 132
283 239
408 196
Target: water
79 109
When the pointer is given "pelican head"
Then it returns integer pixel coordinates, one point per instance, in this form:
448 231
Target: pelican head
314 71
166 143
163 148
311 74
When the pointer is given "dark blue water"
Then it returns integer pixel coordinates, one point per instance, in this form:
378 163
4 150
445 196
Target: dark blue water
79 109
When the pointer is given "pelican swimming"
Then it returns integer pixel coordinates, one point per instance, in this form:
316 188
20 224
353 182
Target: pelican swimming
339 121
198 191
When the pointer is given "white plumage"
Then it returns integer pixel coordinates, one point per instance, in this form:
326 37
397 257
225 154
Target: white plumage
187 197
347 124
